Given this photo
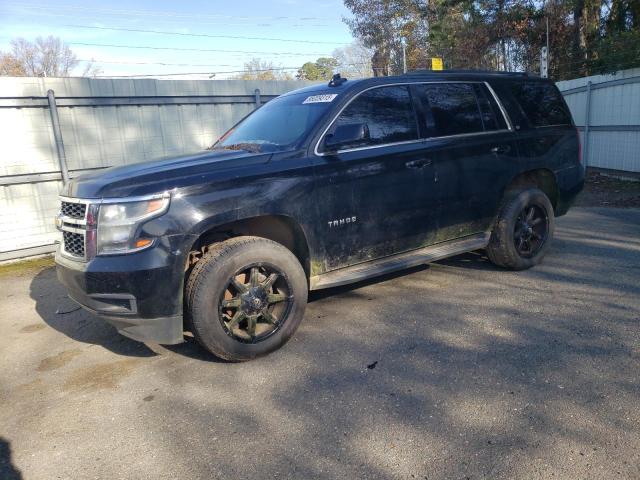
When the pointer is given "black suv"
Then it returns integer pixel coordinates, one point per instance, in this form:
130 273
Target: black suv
320 187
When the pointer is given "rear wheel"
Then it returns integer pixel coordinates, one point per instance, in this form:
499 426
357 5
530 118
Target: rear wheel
523 230
246 297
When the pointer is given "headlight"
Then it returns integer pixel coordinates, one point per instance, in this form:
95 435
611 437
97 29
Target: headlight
119 224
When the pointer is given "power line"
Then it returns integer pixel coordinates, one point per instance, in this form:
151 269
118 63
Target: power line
210 72
160 13
93 60
182 49
235 37
221 22
198 73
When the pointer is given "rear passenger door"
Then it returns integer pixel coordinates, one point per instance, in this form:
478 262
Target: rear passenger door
473 152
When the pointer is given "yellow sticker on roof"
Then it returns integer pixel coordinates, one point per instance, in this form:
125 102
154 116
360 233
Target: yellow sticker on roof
321 98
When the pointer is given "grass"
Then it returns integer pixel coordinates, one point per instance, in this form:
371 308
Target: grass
25 267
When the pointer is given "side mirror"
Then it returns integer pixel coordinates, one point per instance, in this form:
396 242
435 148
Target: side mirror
346 134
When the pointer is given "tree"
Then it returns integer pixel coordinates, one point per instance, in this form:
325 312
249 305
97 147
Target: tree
10 66
382 24
48 56
354 60
586 36
256 69
321 69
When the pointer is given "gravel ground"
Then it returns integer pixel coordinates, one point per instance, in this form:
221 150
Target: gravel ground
458 370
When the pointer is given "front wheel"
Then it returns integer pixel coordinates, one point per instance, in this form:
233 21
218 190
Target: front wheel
246 297
523 230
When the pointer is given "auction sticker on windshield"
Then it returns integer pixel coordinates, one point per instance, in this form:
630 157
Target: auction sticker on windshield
321 98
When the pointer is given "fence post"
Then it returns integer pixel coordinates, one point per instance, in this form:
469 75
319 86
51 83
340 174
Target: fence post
257 94
587 124
57 134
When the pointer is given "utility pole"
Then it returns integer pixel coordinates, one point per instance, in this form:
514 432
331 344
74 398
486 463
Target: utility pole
548 52
544 65
404 55
544 55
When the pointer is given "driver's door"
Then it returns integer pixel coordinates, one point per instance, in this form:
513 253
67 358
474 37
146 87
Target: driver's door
374 195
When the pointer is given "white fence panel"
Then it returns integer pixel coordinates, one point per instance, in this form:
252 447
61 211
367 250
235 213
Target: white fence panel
613 122
179 116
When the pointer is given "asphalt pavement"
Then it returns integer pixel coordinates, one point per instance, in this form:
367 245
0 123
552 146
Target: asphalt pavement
457 370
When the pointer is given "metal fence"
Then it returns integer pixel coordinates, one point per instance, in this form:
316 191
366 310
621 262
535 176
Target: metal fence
88 124
96 123
606 109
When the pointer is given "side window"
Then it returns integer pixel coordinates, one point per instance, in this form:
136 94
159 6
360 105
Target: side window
541 103
492 117
387 111
454 108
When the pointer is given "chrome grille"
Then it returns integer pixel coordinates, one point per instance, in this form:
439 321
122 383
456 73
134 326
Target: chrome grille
73 210
73 243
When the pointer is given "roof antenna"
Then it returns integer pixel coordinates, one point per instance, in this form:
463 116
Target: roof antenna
337 80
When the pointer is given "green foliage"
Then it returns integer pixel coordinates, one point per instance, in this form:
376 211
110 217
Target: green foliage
585 36
321 69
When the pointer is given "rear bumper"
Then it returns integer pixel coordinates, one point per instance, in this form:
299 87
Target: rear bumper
140 294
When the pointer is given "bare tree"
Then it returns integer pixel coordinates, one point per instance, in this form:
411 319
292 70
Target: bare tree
256 69
91 69
48 56
354 60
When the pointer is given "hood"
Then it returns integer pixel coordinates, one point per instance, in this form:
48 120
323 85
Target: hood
162 174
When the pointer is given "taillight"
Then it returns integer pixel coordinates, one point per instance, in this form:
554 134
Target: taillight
579 145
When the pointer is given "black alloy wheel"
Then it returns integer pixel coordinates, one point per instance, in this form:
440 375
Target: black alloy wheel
530 231
255 303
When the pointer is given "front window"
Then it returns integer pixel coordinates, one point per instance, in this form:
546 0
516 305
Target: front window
279 125
386 111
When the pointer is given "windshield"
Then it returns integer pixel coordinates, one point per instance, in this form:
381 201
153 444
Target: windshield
278 125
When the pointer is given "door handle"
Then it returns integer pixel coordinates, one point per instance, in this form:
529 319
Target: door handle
501 149
418 163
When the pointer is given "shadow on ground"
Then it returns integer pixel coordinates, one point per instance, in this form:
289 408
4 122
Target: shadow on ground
7 470
459 370
64 315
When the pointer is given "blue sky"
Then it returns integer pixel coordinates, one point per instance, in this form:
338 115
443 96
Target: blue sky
313 28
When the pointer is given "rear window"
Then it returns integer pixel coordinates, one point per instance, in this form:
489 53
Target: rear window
542 103
452 109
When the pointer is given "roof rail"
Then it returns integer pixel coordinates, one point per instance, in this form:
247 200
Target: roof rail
493 72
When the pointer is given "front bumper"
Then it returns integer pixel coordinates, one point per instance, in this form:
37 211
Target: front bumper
140 293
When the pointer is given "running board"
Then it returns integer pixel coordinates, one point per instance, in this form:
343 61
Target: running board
400 261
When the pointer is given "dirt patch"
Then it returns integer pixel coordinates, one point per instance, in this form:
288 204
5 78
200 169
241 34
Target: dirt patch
606 191
26 267
28 389
34 327
58 361
105 376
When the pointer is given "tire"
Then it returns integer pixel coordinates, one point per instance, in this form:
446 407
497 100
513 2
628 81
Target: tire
235 317
523 214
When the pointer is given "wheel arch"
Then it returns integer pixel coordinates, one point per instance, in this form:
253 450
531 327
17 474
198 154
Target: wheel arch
281 229
542 178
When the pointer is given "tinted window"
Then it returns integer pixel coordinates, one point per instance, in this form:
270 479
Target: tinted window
388 113
541 103
454 108
492 117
